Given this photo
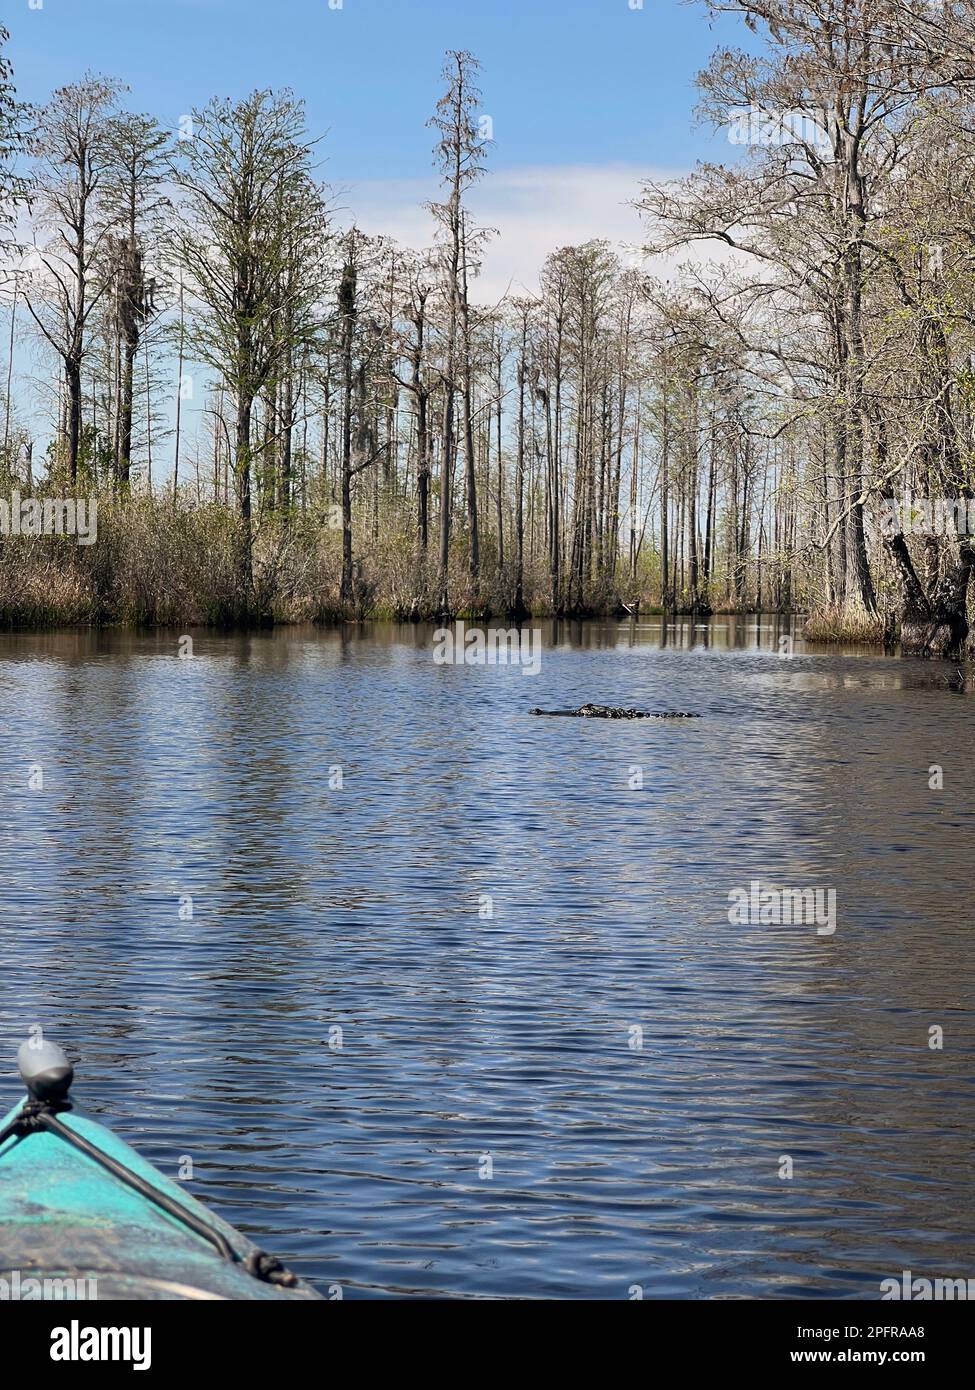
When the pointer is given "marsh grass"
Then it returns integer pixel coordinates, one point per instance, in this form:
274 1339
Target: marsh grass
163 561
839 624
160 562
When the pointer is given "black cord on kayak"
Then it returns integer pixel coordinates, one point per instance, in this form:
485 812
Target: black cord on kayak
48 1120
43 1115
15 1127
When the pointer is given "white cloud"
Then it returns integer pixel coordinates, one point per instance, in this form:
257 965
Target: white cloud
534 210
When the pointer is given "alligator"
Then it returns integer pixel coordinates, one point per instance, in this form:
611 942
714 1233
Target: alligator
616 712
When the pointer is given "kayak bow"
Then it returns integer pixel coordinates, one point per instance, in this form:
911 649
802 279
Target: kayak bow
82 1211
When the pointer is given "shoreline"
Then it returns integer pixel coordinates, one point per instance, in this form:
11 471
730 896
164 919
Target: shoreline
339 619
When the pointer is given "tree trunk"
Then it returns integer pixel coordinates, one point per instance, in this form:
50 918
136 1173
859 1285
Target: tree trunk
72 382
242 482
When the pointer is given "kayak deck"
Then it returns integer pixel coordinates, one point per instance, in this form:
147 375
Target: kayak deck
62 1216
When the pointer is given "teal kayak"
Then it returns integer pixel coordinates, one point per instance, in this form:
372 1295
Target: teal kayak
83 1215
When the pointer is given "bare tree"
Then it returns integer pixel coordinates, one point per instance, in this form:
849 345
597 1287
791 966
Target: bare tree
459 154
74 152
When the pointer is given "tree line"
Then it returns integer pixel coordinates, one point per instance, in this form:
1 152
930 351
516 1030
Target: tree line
352 422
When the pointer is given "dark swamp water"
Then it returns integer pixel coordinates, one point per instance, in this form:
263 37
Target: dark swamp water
490 1124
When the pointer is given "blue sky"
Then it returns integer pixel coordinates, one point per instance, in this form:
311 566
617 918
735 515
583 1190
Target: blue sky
567 81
